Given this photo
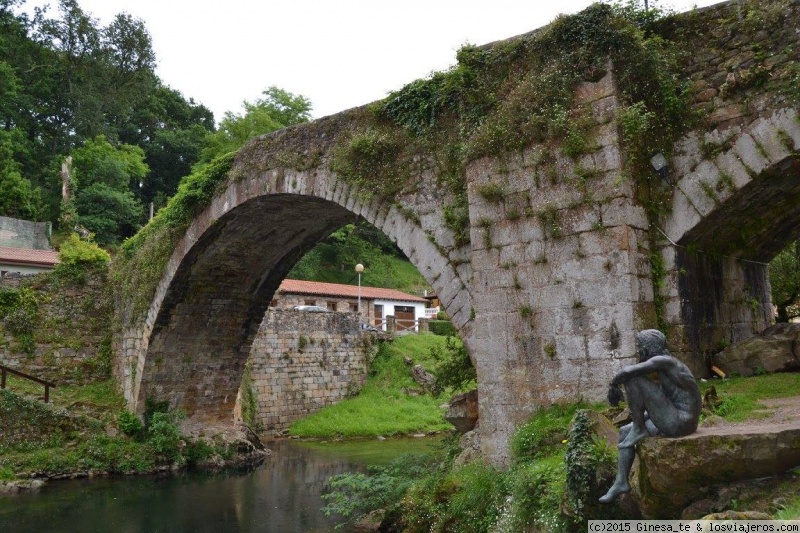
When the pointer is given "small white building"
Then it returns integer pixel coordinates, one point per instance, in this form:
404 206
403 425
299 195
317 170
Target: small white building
25 261
376 302
25 247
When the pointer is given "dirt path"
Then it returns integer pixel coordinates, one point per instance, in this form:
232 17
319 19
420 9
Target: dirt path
777 414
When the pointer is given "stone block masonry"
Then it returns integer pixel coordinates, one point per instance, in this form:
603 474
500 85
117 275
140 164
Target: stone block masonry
301 362
65 334
559 262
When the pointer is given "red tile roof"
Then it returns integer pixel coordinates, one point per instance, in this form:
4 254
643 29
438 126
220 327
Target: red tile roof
295 286
24 256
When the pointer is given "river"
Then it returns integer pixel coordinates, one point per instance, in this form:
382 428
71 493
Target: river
281 496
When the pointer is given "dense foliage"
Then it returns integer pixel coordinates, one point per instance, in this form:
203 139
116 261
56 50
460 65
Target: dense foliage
784 278
71 86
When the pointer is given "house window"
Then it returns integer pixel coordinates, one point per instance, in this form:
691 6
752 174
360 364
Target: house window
309 302
354 308
331 306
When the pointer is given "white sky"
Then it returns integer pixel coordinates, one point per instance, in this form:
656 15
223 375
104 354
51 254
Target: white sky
337 53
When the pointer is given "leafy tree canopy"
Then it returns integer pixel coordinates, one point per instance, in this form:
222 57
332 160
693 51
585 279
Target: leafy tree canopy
278 109
65 79
97 161
103 176
784 277
18 197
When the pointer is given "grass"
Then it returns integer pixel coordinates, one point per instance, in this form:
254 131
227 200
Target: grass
383 407
99 400
740 396
68 436
789 510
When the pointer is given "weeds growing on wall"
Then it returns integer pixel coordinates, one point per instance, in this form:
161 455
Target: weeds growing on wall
137 270
19 315
502 98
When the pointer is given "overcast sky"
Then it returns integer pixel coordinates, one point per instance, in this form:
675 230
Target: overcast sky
337 53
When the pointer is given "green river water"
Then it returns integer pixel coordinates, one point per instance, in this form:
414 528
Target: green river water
281 496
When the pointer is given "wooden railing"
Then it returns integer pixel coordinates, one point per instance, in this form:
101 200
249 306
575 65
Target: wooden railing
4 371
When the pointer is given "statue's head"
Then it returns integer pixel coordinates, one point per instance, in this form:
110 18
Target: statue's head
650 342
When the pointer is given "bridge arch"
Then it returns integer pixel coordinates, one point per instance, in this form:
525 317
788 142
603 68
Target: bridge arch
734 207
219 281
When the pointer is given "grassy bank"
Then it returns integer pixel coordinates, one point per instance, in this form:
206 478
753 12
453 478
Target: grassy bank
390 402
556 469
739 397
86 430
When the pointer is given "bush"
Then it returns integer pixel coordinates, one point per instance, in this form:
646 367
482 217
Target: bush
442 327
130 424
467 500
454 369
76 251
537 491
163 435
354 495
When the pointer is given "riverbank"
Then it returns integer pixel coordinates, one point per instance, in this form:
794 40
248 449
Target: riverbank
86 432
560 465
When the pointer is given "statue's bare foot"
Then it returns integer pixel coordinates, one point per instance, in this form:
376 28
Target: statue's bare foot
616 489
634 436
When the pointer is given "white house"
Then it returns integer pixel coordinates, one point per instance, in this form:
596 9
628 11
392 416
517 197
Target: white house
25 261
376 302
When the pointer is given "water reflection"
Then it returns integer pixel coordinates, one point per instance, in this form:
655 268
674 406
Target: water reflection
283 495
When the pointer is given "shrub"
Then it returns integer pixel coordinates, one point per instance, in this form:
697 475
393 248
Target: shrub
75 251
163 435
130 424
454 369
465 500
442 327
354 495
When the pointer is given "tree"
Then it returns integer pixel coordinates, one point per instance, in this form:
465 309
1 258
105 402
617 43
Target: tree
342 250
110 214
172 131
784 277
102 179
278 109
18 197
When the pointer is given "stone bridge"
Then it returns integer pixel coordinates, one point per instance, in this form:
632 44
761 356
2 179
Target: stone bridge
546 238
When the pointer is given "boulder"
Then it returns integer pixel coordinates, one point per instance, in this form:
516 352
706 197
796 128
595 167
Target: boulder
422 376
670 474
463 411
470 444
776 349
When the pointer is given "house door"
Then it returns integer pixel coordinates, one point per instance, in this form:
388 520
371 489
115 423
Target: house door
379 316
404 315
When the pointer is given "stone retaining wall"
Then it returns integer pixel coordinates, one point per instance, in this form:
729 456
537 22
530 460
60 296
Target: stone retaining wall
302 361
70 333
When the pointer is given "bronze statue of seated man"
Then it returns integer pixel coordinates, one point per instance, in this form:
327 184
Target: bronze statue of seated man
669 406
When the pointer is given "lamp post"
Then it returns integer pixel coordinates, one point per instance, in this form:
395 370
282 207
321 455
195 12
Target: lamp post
359 270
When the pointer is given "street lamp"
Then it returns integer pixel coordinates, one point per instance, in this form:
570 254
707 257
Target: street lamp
661 166
359 270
